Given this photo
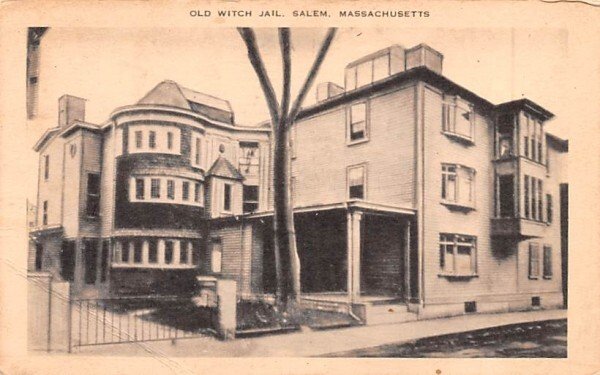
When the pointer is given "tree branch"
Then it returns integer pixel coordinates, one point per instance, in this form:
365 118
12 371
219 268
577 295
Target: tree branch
256 60
312 73
284 43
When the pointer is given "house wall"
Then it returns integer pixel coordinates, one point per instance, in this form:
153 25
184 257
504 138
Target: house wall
236 258
502 280
91 154
107 185
73 147
496 268
51 189
322 155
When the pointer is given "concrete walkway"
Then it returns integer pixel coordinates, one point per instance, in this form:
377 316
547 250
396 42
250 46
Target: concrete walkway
316 343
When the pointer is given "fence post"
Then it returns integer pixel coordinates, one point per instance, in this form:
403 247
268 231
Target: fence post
226 308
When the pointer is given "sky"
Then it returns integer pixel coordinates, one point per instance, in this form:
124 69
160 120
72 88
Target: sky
113 67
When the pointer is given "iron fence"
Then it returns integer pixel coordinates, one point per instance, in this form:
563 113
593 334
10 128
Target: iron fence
133 319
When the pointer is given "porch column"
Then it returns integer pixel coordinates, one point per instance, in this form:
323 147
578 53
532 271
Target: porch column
353 249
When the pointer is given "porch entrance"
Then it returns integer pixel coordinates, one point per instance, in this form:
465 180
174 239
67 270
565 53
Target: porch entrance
348 254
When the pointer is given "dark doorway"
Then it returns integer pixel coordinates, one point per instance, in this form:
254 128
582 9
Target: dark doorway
67 260
90 256
382 256
39 253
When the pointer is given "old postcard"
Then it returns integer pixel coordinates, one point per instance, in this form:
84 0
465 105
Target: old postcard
214 186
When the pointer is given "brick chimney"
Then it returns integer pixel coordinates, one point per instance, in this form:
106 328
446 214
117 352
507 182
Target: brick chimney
70 109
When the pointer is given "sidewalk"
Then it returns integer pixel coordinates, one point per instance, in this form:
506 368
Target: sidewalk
316 343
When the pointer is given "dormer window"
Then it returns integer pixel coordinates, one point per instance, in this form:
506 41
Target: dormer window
458 119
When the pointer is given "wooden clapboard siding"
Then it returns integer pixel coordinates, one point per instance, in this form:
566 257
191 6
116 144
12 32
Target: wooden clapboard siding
323 154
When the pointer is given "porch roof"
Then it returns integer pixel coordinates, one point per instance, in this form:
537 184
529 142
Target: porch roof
360 205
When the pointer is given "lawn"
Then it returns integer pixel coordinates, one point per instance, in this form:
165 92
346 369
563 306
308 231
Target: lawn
529 340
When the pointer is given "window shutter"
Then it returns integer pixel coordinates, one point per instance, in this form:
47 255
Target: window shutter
534 261
547 261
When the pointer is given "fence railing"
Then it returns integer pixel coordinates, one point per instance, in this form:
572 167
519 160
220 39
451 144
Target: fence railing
131 319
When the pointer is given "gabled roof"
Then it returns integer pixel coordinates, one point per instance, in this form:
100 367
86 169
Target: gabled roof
223 168
79 125
527 105
48 134
172 94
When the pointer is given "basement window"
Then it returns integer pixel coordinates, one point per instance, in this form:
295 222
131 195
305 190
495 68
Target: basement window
470 307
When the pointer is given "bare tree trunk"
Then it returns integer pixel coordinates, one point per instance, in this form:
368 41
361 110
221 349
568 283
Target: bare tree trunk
282 119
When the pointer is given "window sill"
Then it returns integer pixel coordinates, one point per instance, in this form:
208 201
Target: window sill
534 277
153 265
357 142
458 276
457 206
547 277
459 138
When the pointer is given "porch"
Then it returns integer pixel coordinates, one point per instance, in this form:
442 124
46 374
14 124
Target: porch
355 253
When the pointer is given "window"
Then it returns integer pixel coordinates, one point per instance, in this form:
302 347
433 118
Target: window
197 192
90 254
45 213
250 198
506 196
534 260
137 251
549 208
226 197
183 254
505 133
540 202
46 167
197 152
152 251
138 139
185 190
547 269
155 188
458 118
104 261
533 135
216 252
356 182
170 189
169 245
534 192
527 197
125 252
458 254
249 155
458 185
358 122
152 139
139 188
170 140
93 195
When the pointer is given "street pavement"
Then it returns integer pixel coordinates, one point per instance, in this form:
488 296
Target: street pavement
308 343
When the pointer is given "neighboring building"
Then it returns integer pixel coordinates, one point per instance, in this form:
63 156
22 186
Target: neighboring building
123 205
406 186
34 37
